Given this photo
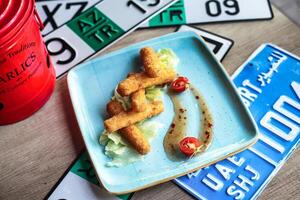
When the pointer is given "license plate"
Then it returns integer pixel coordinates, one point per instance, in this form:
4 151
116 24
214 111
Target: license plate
81 183
269 84
96 28
55 13
218 45
206 11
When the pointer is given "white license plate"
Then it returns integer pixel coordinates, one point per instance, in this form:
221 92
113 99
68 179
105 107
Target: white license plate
57 12
218 45
207 11
96 28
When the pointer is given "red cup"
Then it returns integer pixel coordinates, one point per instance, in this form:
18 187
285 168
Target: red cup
27 76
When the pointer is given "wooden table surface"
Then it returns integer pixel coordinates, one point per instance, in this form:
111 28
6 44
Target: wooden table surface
34 153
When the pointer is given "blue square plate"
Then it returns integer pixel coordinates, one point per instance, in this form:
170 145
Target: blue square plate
91 86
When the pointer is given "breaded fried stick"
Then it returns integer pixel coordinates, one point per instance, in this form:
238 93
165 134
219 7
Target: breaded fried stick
151 62
138 81
130 133
114 107
138 101
125 119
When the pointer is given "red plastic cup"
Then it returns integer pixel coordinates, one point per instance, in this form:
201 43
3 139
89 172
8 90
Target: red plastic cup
27 76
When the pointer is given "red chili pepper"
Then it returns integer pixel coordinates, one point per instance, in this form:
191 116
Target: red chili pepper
189 145
179 84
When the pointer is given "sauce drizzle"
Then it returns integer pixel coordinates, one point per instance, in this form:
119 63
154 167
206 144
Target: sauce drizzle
177 129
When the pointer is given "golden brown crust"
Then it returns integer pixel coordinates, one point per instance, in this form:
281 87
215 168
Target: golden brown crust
137 140
114 107
138 81
138 101
135 85
131 134
125 119
151 62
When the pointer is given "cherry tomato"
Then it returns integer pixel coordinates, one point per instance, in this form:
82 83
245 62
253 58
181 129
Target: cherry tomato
179 84
189 145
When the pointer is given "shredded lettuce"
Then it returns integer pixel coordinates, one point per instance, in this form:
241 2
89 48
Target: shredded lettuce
125 101
115 137
153 93
149 128
119 150
128 156
168 57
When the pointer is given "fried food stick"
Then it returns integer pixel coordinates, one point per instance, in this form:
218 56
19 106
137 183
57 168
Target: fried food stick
125 119
114 107
138 101
130 133
151 62
138 81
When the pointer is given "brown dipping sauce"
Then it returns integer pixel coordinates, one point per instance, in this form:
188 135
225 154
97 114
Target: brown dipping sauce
177 129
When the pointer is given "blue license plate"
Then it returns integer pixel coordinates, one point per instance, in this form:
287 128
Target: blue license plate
269 84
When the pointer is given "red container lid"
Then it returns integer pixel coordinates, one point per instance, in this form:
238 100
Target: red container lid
13 15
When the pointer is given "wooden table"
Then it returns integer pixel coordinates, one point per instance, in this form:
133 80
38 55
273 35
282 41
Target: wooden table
35 153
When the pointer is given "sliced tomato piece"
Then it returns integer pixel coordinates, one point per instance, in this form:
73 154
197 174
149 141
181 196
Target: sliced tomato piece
189 145
180 84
